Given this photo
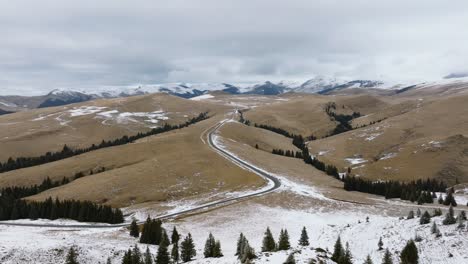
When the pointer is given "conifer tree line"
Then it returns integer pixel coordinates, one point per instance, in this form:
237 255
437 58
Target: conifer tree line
83 211
67 152
9 194
342 119
421 191
288 153
408 255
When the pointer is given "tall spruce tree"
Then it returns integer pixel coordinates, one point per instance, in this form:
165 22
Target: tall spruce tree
283 241
425 218
435 229
409 254
269 243
162 257
387 258
380 244
135 255
147 257
71 256
304 239
368 260
187 249
240 240
175 236
134 230
217 252
346 258
338 250
410 215
449 217
290 259
247 253
209 246
164 238
175 252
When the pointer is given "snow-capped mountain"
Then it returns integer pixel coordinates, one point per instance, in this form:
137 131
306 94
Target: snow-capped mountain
319 84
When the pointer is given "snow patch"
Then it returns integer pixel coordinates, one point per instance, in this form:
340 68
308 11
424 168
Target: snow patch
355 161
202 97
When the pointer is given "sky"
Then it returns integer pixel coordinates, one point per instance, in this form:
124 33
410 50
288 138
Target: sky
85 44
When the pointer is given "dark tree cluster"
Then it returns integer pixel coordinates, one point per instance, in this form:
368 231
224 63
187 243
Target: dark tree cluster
342 119
152 232
9 194
67 152
83 211
419 190
319 165
288 153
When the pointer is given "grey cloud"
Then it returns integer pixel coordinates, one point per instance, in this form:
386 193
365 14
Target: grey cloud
57 44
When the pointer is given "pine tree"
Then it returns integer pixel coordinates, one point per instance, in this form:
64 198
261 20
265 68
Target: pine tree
346 258
135 255
127 258
449 217
71 256
380 244
425 218
304 240
247 252
269 243
338 250
209 246
164 238
240 240
387 258
410 215
418 213
175 252
434 228
108 261
147 257
441 199
368 260
460 221
290 259
162 256
134 230
283 241
217 252
187 249
145 233
409 254
437 212
449 199
175 236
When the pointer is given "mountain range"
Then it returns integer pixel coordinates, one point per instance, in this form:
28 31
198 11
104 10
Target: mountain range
317 85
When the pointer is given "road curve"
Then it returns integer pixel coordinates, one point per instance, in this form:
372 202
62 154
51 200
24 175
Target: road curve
211 142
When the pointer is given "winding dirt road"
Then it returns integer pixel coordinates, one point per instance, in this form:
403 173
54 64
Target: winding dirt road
274 183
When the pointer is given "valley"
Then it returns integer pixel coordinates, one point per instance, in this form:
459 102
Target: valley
219 175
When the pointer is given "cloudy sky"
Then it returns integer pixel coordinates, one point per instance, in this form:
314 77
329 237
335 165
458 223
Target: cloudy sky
84 44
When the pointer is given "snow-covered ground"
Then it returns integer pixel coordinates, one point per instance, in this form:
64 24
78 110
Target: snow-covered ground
66 116
202 97
96 245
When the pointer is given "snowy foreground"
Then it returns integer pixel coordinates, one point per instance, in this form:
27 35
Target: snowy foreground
49 245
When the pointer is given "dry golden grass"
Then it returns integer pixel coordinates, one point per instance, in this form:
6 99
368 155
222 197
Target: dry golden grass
266 140
172 165
293 169
21 135
302 114
408 136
